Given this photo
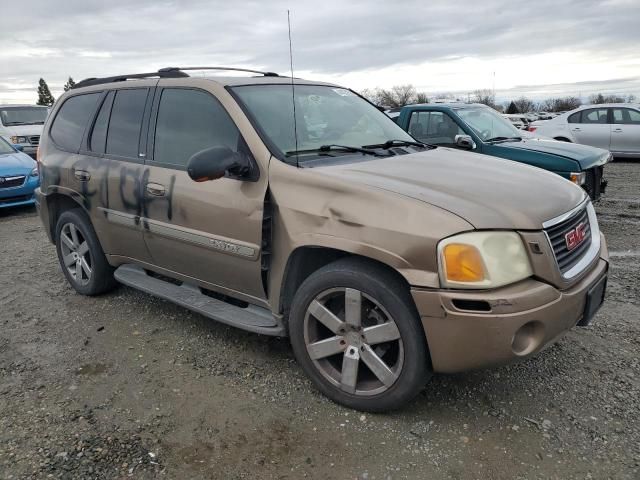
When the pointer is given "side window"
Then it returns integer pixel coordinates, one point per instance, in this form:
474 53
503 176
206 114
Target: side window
436 128
626 116
596 115
575 118
190 121
123 136
70 122
418 124
99 134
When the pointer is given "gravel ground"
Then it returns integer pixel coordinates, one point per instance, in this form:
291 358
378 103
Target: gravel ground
126 385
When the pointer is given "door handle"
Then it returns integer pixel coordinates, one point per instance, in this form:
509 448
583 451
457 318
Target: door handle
618 130
155 189
82 175
575 129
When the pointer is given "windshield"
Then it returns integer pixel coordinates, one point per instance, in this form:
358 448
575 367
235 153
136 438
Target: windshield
23 116
5 147
325 116
488 123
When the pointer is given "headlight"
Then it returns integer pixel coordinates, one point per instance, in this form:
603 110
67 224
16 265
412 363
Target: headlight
34 172
18 140
482 260
578 178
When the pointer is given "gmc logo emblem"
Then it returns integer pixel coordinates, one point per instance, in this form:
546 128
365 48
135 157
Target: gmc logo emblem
575 237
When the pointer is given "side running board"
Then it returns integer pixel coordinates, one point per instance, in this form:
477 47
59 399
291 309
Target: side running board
252 318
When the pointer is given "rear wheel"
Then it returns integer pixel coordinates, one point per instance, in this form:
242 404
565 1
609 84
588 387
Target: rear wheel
356 333
81 257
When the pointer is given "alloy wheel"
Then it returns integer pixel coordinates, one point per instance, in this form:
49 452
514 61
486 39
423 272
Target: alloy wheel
75 253
353 341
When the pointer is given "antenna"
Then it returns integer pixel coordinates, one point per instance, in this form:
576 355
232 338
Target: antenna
293 91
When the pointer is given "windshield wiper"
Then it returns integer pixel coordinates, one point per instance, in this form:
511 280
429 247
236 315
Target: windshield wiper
502 139
328 148
397 143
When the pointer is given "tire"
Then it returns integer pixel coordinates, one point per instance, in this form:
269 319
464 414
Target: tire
80 255
341 354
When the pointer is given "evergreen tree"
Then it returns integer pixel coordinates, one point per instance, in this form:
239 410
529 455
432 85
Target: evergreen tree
69 85
44 94
512 108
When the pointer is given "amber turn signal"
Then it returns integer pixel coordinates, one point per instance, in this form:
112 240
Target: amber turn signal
463 263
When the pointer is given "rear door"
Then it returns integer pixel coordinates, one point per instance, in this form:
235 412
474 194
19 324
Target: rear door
625 130
209 231
593 129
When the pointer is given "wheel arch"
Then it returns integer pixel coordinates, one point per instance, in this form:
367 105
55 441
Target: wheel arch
560 138
59 202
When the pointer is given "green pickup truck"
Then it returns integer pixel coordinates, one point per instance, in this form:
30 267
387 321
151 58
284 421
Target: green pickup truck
481 129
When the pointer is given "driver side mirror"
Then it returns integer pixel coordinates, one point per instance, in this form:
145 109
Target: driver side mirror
465 141
213 163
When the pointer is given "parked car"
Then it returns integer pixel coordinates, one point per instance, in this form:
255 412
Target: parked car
18 176
517 120
22 125
383 259
614 127
481 129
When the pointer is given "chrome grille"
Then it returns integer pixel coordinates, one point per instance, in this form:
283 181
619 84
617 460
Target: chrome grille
34 140
9 182
565 257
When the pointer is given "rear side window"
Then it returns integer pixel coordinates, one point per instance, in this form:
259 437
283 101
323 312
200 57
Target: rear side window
626 116
99 134
575 118
596 115
70 122
123 137
190 121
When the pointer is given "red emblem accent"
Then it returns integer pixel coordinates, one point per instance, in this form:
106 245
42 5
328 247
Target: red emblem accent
575 237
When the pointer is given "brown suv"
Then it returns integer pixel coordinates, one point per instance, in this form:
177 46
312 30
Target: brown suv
382 258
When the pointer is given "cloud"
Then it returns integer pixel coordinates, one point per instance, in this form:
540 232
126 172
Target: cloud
353 41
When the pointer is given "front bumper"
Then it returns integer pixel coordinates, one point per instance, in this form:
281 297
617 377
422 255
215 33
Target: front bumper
17 196
520 321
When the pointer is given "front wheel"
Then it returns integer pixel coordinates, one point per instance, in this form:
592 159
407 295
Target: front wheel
355 331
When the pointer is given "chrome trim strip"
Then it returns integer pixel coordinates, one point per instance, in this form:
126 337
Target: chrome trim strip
121 218
594 248
564 216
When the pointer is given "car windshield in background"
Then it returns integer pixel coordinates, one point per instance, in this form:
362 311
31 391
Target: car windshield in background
325 116
488 124
23 116
5 147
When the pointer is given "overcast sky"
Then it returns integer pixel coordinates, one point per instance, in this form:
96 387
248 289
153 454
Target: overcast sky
536 47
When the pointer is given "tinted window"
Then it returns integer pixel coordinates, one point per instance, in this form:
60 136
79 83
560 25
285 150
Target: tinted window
70 122
436 128
626 116
99 134
597 115
126 119
575 118
190 121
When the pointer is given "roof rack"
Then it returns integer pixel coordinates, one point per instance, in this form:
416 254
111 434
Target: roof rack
167 72
232 69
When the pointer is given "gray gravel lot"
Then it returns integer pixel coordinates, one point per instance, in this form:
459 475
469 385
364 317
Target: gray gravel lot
126 385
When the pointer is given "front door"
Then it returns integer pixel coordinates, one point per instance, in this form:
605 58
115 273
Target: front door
593 129
210 231
625 130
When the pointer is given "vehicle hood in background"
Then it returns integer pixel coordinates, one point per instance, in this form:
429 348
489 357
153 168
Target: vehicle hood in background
585 155
16 163
488 192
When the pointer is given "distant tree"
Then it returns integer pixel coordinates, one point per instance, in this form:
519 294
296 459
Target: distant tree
397 96
421 97
524 105
599 98
69 85
512 108
484 96
559 104
44 94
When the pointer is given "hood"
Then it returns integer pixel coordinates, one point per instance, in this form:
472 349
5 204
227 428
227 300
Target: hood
16 163
488 192
23 130
584 155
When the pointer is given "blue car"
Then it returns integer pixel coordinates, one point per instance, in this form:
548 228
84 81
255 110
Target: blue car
18 176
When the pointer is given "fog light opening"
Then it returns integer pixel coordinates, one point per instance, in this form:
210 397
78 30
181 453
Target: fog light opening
528 338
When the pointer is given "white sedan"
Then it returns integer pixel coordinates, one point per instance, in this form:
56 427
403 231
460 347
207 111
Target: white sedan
614 127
